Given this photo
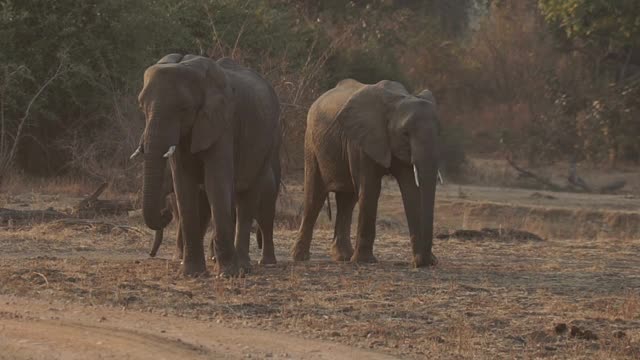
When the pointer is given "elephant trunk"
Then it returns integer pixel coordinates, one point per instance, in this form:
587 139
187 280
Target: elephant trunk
428 179
153 194
160 135
425 171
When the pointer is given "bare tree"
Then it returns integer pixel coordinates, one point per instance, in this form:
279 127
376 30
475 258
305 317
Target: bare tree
10 136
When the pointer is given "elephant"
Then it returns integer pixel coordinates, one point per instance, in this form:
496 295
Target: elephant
172 206
217 123
356 134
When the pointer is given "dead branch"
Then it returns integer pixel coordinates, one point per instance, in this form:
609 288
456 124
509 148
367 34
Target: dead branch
576 183
92 206
22 217
612 187
576 180
6 159
538 178
99 224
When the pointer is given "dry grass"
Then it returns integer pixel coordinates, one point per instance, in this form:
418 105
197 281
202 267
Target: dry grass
485 300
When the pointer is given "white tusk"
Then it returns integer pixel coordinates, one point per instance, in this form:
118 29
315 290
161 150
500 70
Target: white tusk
170 152
415 174
136 153
440 178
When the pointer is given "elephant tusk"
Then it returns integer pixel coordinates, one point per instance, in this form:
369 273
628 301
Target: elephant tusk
136 153
172 149
415 174
440 178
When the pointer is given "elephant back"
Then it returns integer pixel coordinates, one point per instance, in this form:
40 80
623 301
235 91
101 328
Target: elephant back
255 121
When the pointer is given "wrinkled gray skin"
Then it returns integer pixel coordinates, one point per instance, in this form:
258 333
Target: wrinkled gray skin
355 135
223 121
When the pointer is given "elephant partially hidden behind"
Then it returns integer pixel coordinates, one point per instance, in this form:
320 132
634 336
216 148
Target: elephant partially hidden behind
356 134
218 125
171 207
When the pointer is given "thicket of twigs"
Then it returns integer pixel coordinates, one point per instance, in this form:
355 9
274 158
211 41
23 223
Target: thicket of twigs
510 77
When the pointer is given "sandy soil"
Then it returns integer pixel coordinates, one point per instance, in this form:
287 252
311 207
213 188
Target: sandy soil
36 329
69 291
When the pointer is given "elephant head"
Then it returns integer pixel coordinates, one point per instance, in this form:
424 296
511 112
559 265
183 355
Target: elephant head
186 102
387 123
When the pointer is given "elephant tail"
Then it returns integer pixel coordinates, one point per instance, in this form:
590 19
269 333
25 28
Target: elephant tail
329 207
259 238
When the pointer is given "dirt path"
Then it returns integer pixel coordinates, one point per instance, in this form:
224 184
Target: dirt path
32 329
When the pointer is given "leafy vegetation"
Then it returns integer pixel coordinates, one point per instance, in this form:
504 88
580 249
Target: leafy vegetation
539 79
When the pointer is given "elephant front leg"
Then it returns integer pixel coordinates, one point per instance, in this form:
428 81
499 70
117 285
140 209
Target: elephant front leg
219 186
369 192
341 250
314 195
186 190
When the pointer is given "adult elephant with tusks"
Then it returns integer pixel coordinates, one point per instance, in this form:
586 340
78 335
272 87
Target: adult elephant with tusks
217 124
357 133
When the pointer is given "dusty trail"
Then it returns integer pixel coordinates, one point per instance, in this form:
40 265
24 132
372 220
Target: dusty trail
33 329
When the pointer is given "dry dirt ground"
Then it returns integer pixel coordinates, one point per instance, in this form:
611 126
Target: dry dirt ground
92 292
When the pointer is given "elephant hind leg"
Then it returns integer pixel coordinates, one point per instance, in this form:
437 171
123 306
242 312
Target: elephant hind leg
246 210
265 219
314 196
341 250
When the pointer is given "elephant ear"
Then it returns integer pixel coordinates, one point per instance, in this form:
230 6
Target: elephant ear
170 59
363 120
212 119
427 95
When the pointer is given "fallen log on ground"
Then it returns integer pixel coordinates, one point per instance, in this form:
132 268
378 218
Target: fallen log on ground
574 182
88 208
92 206
501 234
101 226
22 217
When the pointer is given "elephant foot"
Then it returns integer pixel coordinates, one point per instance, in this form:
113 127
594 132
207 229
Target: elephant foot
301 254
367 257
194 268
424 260
268 260
227 270
244 263
341 253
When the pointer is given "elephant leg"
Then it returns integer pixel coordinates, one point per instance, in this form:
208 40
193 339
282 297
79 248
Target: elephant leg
368 194
247 203
265 219
179 255
171 202
212 247
219 186
205 217
341 250
314 196
259 238
186 190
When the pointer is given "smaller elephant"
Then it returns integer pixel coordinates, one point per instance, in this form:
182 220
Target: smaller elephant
269 194
356 134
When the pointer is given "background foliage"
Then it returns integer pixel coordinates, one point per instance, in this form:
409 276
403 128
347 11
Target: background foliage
543 80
